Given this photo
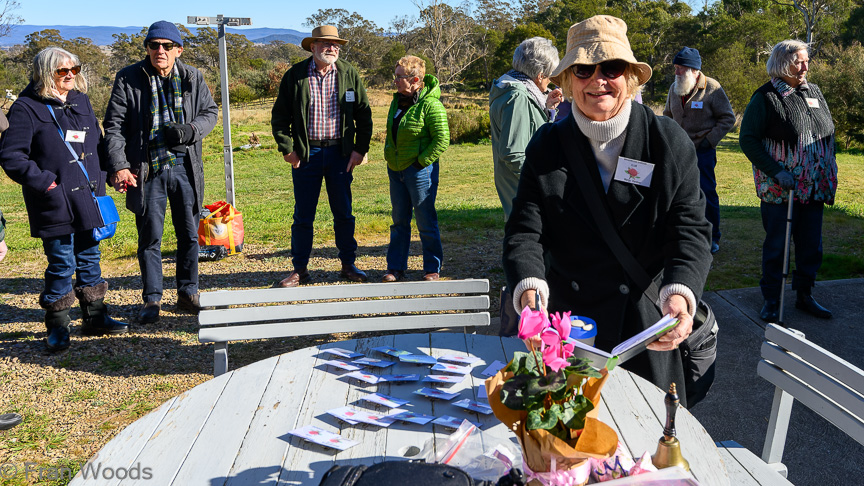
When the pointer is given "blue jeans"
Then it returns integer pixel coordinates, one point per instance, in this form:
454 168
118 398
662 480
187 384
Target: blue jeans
708 183
807 236
172 185
76 254
414 190
325 164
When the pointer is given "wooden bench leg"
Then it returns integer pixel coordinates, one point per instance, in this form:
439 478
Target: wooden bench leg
220 358
778 426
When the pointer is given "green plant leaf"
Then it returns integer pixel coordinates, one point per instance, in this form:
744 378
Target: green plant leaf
544 419
513 394
523 364
574 412
581 366
550 383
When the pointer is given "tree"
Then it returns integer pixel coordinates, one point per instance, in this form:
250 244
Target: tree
503 58
840 77
202 49
7 18
127 49
815 12
448 36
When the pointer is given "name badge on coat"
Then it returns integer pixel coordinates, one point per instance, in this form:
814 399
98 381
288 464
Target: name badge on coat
349 96
812 102
696 105
634 171
75 136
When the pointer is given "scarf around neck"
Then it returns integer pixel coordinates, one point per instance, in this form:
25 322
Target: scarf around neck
530 85
162 112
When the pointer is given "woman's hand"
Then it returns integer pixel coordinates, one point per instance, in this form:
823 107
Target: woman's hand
677 308
529 299
554 98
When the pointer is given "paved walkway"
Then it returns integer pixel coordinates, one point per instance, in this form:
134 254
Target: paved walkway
739 404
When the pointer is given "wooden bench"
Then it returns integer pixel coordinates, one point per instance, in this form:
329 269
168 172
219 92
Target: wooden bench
327 309
815 377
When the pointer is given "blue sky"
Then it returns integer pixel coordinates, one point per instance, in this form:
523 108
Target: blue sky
264 13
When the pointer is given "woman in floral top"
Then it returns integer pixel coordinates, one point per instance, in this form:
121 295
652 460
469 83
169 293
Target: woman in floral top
788 135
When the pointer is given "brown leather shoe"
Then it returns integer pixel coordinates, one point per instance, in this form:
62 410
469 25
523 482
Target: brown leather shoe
352 273
429 277
295 278
393 276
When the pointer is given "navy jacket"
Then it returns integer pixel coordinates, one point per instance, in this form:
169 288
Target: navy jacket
34 155
128 121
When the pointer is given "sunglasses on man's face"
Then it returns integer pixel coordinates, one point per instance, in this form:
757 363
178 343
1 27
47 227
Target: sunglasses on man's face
65 71
154 46
610 69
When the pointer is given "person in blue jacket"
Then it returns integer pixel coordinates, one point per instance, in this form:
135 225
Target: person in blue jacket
58 196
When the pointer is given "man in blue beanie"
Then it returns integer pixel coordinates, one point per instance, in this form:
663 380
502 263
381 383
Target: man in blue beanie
700 106
160 110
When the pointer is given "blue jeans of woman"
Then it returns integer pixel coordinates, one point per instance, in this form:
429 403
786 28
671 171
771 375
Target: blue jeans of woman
76 254
414 190
807 236
325 164
174 185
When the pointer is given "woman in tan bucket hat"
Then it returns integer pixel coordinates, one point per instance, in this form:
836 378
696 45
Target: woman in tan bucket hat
638 171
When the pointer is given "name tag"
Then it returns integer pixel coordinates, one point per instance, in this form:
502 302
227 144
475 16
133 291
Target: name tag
634 171
349 96
812 102
75 136
696 105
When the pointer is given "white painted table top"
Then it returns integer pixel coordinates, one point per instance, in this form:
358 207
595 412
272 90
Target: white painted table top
233 429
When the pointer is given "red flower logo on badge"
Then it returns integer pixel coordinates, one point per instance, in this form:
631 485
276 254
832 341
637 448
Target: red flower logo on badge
313 432
632 172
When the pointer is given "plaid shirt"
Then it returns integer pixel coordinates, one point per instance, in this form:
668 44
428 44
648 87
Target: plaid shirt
324 114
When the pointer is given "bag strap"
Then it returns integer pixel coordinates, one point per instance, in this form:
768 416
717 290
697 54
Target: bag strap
71 150
604 223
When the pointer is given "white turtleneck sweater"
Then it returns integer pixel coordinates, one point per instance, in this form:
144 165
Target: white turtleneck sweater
606 138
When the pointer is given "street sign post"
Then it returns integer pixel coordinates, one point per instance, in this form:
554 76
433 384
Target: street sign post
227 152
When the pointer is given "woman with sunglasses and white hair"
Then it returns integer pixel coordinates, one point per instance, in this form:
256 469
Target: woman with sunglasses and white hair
638 173
52 127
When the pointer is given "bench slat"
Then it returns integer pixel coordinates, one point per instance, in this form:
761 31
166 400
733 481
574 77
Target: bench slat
814 378
832 412
363 324
343 308
350 291
843 371
745 468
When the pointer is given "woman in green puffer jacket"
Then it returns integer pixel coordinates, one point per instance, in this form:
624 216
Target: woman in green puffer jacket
417 135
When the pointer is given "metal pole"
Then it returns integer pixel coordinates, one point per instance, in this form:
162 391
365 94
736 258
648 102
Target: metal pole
226 115
786 255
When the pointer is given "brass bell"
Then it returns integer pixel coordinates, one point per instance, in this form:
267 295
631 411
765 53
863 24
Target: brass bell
668 448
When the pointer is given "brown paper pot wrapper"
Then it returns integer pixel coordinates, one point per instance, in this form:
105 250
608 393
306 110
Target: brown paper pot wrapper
597 440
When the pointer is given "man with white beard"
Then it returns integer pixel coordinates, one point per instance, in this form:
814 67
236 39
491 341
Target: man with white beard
700 106
322 124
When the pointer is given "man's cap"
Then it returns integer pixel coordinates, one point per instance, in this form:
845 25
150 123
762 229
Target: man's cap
325 33
688 57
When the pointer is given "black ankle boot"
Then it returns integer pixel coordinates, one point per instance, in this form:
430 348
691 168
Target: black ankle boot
770 311
57 322
808 304
95 320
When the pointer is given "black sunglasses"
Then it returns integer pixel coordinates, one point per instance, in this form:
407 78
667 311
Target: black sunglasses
64 71
154 46
610 69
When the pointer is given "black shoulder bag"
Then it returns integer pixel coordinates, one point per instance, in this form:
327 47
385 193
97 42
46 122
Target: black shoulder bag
699 350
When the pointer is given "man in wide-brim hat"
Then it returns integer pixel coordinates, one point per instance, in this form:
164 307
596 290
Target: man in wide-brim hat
322 124
640 170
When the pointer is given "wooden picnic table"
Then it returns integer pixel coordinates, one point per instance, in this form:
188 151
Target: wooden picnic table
233 429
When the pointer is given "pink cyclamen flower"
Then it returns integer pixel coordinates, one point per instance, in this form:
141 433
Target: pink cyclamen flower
532 323
562 324
552 351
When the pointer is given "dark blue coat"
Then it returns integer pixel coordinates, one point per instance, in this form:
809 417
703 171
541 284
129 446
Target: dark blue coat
34 155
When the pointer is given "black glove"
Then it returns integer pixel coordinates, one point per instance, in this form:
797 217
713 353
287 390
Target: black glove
178 134
704 145
785 179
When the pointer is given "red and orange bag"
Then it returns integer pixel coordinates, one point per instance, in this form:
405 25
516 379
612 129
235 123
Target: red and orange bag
223 227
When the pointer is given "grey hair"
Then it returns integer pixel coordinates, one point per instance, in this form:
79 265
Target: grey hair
45 63
535 56
782 56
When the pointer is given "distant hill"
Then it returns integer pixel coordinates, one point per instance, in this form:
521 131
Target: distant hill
102 35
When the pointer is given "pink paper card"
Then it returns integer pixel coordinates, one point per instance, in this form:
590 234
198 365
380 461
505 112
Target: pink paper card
345 414
452 368
386 400
323 437
460 359
365 377
478 407
341 364
436 394
341 352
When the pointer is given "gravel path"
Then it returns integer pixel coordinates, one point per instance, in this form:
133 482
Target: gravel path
76 401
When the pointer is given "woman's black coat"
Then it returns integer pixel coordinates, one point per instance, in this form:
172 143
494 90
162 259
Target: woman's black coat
551 234
34 155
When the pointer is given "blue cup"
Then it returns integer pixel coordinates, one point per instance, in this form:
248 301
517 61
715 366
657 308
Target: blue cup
578 331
